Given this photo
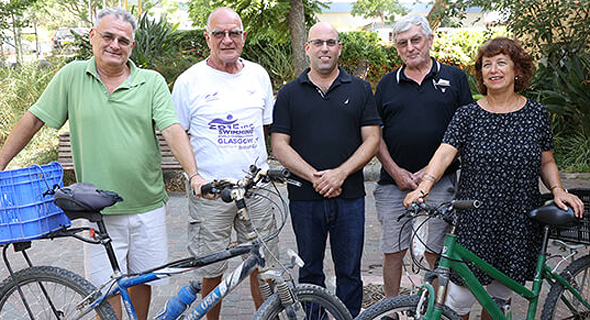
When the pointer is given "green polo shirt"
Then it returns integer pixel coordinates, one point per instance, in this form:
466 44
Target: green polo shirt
114 145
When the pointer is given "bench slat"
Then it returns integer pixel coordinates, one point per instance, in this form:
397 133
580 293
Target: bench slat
64 150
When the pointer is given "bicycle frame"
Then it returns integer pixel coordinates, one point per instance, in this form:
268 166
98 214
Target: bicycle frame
454 257
120 283
255 260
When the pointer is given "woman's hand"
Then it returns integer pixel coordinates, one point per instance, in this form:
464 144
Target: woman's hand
416 195
561 198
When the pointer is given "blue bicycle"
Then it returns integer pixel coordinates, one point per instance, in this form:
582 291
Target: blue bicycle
45 292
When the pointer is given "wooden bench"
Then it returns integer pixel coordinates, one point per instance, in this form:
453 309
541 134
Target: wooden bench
64 155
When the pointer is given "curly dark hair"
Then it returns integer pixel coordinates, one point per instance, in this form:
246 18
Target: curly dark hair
523 64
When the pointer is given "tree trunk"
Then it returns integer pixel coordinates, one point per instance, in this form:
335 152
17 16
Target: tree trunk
435 15
297 31
17 45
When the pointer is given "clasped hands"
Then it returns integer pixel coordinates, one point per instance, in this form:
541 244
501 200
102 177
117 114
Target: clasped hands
329 182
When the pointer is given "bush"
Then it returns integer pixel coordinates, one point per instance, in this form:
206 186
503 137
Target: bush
21 86
360 46
565 90
572 152
460 48
154 41
273 56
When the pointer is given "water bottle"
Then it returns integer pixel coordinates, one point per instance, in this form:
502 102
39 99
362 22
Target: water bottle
180 302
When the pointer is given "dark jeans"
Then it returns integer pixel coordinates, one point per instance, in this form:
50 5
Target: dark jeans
344 219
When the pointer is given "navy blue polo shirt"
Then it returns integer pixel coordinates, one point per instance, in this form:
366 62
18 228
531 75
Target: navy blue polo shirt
415 116
325 128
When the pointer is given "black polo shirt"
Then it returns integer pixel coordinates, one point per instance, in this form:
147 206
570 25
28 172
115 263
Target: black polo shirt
415 116
325 129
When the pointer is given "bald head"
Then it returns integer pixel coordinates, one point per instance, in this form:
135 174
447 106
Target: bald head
322 28
224 14
323 49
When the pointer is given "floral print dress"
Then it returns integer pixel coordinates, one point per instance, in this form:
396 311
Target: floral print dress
500 166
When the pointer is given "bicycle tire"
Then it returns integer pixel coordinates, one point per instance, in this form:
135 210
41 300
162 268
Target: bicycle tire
324 305
65 290
577 274
404 307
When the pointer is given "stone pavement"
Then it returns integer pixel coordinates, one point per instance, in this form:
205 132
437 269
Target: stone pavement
67 253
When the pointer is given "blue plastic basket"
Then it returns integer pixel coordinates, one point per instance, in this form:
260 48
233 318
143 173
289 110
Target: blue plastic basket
27 211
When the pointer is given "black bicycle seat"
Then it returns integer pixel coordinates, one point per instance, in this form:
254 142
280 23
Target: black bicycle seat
84 200
553 215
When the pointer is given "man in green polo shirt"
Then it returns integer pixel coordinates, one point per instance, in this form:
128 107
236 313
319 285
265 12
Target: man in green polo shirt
114 108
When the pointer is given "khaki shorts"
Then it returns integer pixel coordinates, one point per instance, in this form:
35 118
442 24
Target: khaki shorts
389 204
210 225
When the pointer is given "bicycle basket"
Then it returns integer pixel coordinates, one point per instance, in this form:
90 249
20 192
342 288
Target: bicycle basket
27 210
579 232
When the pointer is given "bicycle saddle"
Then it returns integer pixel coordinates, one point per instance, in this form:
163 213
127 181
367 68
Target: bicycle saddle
551 214
84 200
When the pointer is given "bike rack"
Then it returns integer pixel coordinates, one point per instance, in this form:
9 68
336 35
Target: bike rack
23 246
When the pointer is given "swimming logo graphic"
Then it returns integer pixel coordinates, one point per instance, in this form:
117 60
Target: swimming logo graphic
232 133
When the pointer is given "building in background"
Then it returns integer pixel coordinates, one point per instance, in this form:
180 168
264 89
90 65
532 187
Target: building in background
338 14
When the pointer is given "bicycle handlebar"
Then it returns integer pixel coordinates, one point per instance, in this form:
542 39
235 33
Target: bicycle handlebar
208 188
256 175
466 204
417 207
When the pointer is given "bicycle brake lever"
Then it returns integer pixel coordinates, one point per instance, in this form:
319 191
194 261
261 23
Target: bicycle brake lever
293 182
295 259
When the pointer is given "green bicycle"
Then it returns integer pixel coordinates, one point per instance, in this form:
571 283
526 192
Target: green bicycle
568 298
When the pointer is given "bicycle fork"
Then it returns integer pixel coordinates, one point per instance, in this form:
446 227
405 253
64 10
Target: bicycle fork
293 308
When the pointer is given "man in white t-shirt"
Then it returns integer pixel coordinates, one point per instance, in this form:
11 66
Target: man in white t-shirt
225 103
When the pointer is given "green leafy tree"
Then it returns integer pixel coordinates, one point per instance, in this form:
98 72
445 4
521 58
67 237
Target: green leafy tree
258 16
552 29
267 17
384 9
12 19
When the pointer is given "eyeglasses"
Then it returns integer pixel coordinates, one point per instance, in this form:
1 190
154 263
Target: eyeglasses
108 38
404 43
320 43
233 34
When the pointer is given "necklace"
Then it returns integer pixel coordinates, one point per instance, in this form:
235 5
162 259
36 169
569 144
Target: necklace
512 105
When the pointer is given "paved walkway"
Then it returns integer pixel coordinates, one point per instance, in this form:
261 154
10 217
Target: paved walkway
67 253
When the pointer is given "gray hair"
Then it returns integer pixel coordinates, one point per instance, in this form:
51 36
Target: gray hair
405 23
120 13
223 9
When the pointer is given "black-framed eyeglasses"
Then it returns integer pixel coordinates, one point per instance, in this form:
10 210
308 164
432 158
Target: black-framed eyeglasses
233 34
108 38
320 43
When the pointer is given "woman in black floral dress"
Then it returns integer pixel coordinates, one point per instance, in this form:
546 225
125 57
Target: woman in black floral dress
505 145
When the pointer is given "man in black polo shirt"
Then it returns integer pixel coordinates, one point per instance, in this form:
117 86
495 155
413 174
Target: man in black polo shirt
416 102
325 129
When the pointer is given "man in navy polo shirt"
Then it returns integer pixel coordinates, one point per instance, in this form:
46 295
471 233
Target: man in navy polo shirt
325 129
416 102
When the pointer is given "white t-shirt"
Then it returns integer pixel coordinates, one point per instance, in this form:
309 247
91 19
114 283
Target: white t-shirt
224 114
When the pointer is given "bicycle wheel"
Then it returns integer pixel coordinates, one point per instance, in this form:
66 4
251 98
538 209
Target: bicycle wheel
317 302
402 307
577 274
65 290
